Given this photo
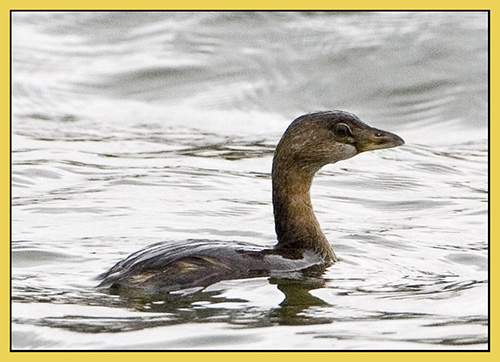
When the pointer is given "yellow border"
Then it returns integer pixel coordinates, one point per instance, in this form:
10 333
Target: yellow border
250 5
7 5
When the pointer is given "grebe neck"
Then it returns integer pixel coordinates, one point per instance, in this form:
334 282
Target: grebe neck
296 224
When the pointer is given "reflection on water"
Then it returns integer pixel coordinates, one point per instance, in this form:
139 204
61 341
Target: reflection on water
134 128
208 306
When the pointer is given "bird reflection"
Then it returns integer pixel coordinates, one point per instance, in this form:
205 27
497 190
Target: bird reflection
199 305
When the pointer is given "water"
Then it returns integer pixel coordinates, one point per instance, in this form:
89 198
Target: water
132 128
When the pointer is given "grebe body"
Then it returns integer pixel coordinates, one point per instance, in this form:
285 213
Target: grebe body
310 142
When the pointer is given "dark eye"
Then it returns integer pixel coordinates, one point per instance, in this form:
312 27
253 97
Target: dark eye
342 130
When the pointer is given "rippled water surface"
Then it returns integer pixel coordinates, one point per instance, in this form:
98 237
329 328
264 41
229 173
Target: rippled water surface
133 128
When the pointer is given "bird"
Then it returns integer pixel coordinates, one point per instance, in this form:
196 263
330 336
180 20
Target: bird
310 142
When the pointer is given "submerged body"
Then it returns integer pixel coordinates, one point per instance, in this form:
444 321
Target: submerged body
309 143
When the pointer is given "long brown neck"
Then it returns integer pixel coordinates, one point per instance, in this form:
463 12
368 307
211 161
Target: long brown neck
296 224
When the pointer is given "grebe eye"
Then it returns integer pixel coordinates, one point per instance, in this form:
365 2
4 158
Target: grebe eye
342 130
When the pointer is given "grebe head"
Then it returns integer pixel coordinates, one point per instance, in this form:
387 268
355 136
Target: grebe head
316 139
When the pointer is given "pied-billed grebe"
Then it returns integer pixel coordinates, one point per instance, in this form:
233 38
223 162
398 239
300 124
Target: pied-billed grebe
310 142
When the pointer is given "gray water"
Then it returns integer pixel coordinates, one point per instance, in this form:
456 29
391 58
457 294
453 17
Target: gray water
134 128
